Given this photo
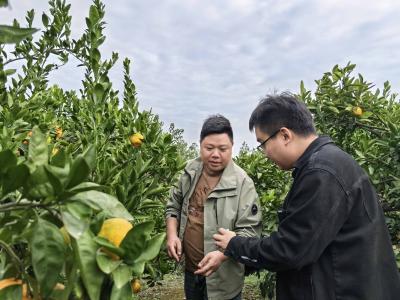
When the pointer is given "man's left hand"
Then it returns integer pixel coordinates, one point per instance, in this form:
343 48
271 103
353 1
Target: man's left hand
223 238
210 263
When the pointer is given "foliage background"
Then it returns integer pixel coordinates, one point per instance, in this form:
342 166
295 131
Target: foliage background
96 123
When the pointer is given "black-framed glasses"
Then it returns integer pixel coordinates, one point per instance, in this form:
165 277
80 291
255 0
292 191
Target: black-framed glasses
261 146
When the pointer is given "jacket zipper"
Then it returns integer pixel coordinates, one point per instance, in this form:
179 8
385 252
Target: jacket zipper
216 213
312 288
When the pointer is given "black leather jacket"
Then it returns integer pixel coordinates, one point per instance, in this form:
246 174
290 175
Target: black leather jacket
332 241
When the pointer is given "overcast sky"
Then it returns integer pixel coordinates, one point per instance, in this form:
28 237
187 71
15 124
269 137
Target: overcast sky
193 58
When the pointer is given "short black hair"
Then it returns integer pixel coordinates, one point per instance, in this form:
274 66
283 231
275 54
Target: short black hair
282 110
216 124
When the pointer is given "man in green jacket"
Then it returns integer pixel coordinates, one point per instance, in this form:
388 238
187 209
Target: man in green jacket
213 192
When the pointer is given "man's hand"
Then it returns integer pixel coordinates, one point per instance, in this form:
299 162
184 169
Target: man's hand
222 239
174 247
210 263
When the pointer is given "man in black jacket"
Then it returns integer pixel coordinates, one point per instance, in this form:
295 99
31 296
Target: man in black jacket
332 241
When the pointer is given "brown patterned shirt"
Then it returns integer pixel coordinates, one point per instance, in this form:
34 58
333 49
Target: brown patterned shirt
193 241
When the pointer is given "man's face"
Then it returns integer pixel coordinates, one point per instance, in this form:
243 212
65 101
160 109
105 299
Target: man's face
275 148
216 152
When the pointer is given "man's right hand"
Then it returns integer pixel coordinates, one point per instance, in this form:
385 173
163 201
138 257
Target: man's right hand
174 247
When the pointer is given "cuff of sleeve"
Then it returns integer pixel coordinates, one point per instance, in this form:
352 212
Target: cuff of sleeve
171 215
233 250
230 249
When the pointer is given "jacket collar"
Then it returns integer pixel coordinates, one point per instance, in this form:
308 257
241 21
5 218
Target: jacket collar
311 149
228 177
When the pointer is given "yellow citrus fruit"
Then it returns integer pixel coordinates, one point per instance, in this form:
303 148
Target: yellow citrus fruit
136 286
65 235
115 230
13 281
136 140
59 287
357 111
59 133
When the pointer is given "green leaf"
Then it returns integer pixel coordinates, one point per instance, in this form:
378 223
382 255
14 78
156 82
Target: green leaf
86 186
76 218
59 160
102 201
15 178
122 275
135 241
93 14
148 204
105 263
90 156
98 92
366 115
143 168
393 128
333 109
359 154
152 248
79 172
38 152
61 173
124 293
48 249
54 181
168 138
45 20
9 72
13 35
11 292
38 184
109 246
92 276
7 160
3 3
138 268
302 88
156 190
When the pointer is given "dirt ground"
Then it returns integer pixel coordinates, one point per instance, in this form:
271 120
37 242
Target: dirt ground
171 288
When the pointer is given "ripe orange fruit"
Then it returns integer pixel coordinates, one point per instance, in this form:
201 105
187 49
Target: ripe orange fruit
114 230
59 133
357 111
136 140
136 286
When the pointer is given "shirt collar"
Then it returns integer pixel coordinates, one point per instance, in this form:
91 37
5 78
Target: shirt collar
311 149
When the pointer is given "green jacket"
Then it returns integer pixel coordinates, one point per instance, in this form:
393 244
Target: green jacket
233 205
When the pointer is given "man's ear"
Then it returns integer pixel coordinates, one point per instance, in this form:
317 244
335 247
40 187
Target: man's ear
287 134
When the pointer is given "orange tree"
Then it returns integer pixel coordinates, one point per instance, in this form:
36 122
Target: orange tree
362 121
74 160
272 186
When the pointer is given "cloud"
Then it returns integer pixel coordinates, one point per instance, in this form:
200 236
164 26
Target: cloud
194 58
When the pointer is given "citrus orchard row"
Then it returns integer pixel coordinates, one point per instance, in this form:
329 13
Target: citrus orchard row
85 175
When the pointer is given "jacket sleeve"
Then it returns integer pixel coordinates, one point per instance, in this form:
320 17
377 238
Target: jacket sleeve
174 204
248 222
317 211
